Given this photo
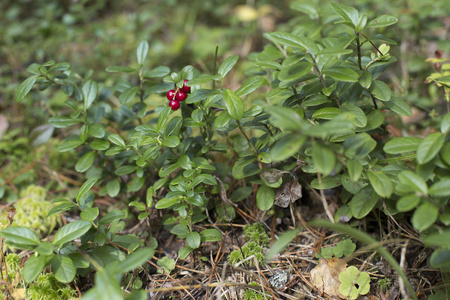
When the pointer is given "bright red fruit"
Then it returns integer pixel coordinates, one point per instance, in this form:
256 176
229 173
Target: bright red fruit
170 94
174 104
186 88
180 95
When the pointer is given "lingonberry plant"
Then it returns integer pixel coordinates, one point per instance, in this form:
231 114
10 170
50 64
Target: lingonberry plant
317 121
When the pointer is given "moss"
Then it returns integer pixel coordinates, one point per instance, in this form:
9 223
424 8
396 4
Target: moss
252 294
32 210
256 233
47 287
384 284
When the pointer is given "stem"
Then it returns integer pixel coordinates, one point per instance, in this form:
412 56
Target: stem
322 80
358 47
249 142
376 48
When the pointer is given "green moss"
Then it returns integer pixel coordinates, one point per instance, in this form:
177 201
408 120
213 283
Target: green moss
384 284
252 294
256 233
47 287
32 210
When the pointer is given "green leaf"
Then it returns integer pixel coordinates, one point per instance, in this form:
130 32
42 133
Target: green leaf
286 119
60 208
382 21
399 106
90 92
69 145
201 94
424 216
244 167
445 124
106 287
211 235
168 169
171 141
363 202
116 140
70 232
44 248
323 158
99 145
135 260
20 236
141 52
157 72
381 183
359 145
25 87
193 240
292 40
354 282
438 239
180 230
85 162
366 79
86 187
293 74
265 197
348 13
408 203
341 73
63 268
113 69
430 147
327 113
184 252
380 90
413 181
234 104
283 241
113 188
328 182
441 188
227 65
399 145
128 95
33 267
112 216
440 259
250 85
166 203
354 168
62 122
360 119
125 170
89 214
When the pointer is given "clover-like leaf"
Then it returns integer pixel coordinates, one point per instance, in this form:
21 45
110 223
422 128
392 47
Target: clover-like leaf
354 283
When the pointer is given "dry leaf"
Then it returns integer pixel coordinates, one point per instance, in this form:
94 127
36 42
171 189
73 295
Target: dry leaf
288 193
325 276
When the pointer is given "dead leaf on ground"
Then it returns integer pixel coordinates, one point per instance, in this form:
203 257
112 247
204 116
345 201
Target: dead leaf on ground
288 193
325 276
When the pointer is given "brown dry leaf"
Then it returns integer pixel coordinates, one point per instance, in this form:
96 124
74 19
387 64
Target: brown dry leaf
288 193
325 276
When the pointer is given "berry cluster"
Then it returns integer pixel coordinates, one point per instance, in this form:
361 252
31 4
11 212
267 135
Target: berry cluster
178 95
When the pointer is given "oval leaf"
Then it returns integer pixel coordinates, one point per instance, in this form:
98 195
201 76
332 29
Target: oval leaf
234 104
70 232
24 88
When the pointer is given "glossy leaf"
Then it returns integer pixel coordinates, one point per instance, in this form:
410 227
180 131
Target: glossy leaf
85 162
25 87
413 181
341 73
445 124
33 267
363 202
111 217
287 146
424 216
227 65
116 140
113 188
63 268
20 236
399 106
324 159
193 240
408 203
90 92
70 232
87 185
382 21
128 95
441 188
157 72
211 235
399 145
349 14
381 183
62 122
430 147
265 197
141 52
380 90
124 69
234 104
89 214
135 259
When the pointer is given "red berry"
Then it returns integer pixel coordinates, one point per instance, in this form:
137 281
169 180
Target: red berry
174 104
186 88
180 95
170 94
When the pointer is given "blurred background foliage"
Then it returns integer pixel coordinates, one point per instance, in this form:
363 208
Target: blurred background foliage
93 35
